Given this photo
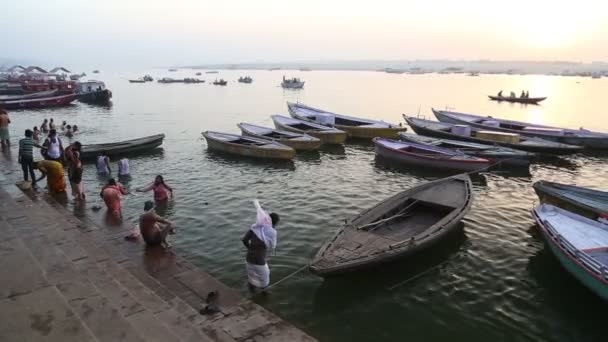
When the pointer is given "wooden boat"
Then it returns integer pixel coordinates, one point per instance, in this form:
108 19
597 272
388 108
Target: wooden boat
245 79
580 244
525 100
193 80
580 137
355 127
505 155
523 143
91 151
327 135
137 81
428 156
294 140
221 82
46 93
586 202
42 102
397 227
248 146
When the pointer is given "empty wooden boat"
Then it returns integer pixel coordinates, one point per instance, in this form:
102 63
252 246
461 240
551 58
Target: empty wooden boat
472 134
579 137
586 202
355 127
525 100
248 146
294 140
580 244
506 156
145 144
397 227
428 156
39 102
35 95
327 135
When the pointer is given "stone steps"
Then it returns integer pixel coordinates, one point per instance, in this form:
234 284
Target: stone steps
118 290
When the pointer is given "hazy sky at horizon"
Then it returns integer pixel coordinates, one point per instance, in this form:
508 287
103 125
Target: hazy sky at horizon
148 33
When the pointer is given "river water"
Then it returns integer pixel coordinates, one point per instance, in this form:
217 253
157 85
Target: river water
493 280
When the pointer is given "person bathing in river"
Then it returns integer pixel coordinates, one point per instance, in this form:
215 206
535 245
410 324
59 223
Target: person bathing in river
52 149
75 129
45 126
36 134
162 192
68 131
52 125
103 164
260 240
153 228
123 167
64 125
111 194
75 176
53 170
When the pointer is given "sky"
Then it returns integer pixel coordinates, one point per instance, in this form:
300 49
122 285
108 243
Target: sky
187 32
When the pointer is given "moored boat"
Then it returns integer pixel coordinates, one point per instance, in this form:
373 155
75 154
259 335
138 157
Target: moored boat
580 244
93 92
248 146
35 95
505 155
294 140
398 227
525 100
354 126
472 134
427 156
145 144
327 135
137 81
42 102
586 202
220 82
245 79
193 80
579 137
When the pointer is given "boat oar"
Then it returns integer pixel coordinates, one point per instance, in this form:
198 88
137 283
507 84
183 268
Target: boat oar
402 212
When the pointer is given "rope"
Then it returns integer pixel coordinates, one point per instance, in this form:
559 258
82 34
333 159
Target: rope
287 277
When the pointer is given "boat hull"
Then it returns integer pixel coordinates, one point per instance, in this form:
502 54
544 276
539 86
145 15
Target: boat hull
563 150
530 100
433 235
326 137
97 97
250 151
370 133
90 152
550 195
430 162
45 102
570 263
594 142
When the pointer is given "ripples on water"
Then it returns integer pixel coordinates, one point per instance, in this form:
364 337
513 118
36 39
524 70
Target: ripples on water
492 280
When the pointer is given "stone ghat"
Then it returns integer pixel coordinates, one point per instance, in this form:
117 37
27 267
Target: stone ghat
63 279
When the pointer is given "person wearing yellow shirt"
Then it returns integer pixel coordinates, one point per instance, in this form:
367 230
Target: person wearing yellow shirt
54 172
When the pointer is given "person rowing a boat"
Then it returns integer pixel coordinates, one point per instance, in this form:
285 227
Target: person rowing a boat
499 94
260 240
153 228
522 95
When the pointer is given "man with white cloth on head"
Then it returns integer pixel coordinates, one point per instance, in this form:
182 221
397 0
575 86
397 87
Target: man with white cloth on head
260 240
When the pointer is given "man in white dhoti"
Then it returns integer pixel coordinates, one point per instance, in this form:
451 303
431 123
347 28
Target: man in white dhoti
260 240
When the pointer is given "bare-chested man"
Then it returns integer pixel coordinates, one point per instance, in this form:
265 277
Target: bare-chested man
153 228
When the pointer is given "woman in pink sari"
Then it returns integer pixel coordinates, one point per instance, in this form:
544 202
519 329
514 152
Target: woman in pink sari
162 192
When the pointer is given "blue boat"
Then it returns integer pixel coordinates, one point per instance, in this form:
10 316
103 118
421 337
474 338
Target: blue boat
580 244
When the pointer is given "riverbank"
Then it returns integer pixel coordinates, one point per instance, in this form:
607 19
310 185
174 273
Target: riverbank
66 279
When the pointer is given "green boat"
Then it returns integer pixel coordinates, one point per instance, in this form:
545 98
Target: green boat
580 244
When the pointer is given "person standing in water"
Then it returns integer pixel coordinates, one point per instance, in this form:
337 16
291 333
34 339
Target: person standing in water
68 131
123 167
162 192
45 126
53 170
26 156
153 228
52 149
4 132
36 134
260 240
75 176
111 194
103 164
52 125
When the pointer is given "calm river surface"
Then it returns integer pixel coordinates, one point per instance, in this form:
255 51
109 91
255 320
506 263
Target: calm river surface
493 281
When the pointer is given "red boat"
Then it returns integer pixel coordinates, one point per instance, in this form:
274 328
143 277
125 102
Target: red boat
43 102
